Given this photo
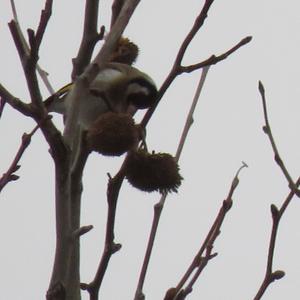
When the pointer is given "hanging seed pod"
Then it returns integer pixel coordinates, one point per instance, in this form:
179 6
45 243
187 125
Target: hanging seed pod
113 134
153 172
126 52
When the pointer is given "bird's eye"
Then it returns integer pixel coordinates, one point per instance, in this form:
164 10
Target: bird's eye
141 94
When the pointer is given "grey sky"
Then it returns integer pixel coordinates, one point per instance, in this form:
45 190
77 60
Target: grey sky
226 131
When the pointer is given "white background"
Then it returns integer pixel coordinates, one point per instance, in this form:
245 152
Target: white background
226 131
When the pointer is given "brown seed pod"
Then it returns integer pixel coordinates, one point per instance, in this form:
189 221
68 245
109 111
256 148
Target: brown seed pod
126 52
153 172
112 134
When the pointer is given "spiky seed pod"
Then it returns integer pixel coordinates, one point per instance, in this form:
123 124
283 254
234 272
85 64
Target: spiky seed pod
113 134
153 172
126 52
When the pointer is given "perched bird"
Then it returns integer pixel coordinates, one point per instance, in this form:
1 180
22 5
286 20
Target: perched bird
118 87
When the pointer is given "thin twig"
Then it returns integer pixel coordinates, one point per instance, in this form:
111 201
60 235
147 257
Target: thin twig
22 38
110 246
189 119
198 23
270 275
36 110
81 231
29 62
200 261
89 38
9 174
47 11
14 102
267 130
160 205
115 9
215 59
2 105
44 19
178 69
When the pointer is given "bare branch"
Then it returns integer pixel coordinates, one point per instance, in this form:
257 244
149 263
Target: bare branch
58 292
9 175
110 246
29 60
270 275
116 8
14 102
200 261
2 105
189 119
199 21
23 44
75 186
29 63
22 48
267 130
25 48
45 16
178 69
81 231
159 206
89 38
215 59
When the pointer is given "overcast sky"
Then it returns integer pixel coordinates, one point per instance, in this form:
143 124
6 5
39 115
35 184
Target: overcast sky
226 131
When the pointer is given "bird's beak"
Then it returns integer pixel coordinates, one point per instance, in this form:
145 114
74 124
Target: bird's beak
131 109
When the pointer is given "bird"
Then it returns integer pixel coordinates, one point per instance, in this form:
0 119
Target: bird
117 87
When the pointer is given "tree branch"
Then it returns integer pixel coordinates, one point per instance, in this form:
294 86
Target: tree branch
116 9
160 205
199 21
178 69
9 175
270 275
267 130
214 59
2 105
71 129
110 246
81 231
89 38
189 119
45 15
14 102
29 62
200 261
